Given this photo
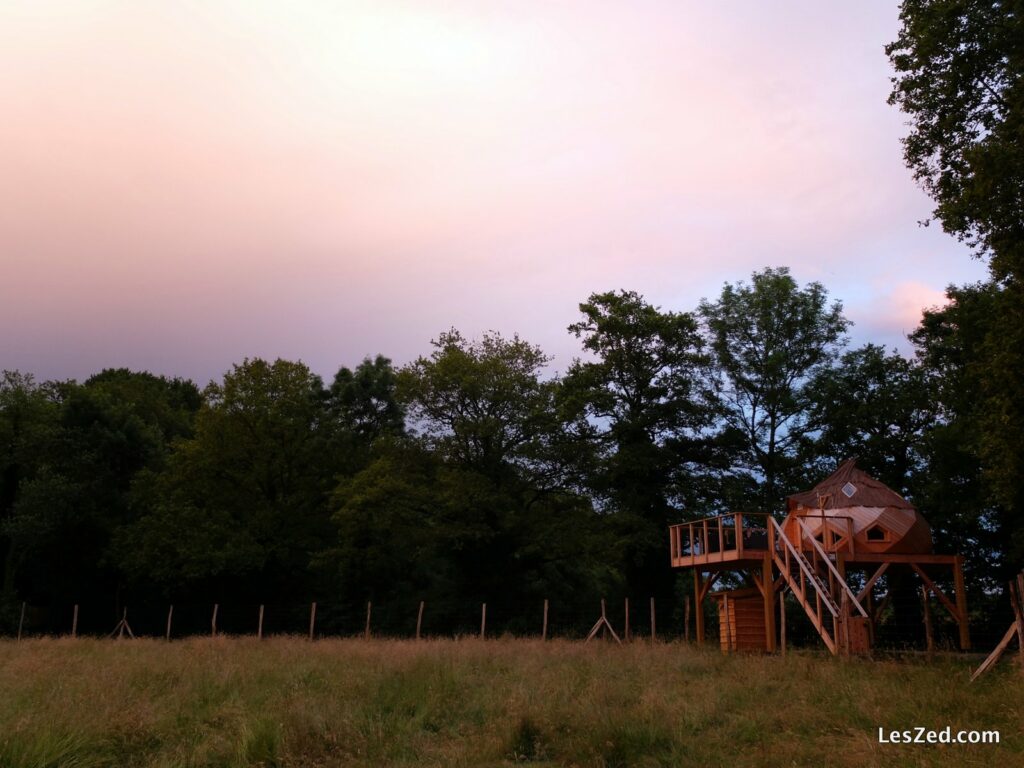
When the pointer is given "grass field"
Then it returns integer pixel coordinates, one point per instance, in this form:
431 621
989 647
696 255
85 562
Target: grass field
288 702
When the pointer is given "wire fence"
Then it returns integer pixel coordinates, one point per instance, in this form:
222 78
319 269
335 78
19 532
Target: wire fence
667 619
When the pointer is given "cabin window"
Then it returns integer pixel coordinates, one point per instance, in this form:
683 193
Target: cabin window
849 489
877 533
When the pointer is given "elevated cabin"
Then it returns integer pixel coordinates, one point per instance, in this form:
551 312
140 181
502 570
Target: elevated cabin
852 511
850 524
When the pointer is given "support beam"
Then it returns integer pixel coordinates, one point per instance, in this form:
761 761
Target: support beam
769 603
954 612
698 589
871 582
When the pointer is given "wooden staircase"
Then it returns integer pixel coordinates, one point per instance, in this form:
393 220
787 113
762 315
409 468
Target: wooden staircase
816 584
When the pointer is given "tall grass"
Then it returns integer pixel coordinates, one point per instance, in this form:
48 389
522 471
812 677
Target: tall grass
288 702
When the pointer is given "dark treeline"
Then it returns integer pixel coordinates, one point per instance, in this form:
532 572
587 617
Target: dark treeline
476 474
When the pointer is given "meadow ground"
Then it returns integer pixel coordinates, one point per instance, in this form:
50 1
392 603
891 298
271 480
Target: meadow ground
289 702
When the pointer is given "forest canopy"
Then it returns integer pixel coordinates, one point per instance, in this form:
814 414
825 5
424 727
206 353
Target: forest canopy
476 472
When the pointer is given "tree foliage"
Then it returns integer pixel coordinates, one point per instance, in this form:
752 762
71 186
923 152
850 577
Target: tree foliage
960 78
771 339
645 397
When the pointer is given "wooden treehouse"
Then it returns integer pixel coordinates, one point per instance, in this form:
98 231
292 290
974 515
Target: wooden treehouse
835 543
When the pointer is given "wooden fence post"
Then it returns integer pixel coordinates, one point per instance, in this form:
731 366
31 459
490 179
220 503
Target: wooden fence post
686 618
21 621
419 620
170 614
544 628
74 622
654 633
483 621
213 621
369 607
259 628
929 639
626 632
312 620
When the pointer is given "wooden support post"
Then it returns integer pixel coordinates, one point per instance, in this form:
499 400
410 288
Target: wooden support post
869 606
544 627
312 620
961 602
259 627
419 620
626 634
926 612
698 606
654 630
21 621
213 621
74 622
782 622
369 608
170 615
769 603
844 624
483 621
686 618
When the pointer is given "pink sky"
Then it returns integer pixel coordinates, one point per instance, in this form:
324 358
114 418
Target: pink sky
184 185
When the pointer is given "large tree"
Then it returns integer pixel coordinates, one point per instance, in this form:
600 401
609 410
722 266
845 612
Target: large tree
771 339
960 78
953 489
645 395
477 503
243 503
873 405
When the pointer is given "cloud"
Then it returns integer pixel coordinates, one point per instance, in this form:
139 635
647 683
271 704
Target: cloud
186 184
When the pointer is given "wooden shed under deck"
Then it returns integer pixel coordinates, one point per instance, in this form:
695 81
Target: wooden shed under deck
741 618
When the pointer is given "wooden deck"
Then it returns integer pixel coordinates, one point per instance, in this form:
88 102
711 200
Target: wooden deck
812 562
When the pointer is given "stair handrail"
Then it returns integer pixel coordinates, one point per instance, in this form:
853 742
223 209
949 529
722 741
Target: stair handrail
835 571
802 562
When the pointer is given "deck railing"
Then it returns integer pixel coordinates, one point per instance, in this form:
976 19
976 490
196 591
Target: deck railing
730 536
733 533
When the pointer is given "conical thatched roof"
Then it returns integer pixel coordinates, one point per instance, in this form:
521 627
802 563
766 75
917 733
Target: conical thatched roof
848 487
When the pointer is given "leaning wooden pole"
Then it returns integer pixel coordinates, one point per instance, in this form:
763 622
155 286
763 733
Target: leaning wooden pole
213 621
483 621
1016 629
544 627
74 622
654 629
369 609
170 615
312 620
259 627
21 621
419 620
